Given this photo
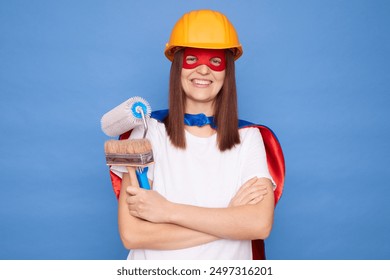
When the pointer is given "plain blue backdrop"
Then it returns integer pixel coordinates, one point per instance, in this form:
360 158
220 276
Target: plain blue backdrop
316 72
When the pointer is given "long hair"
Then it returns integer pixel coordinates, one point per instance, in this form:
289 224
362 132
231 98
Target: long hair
226 112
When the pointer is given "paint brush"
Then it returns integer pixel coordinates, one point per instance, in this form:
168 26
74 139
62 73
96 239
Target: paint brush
135 154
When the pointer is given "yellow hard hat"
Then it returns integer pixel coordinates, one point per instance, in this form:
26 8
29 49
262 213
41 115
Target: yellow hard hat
205 29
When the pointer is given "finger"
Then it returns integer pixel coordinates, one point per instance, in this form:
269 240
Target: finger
249 183
134 213
260 189
244 187
259 184
253 189
256 200
133 208
250 196
247 199
132 190
130 200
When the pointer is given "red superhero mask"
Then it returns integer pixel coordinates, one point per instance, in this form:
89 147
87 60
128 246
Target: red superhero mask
214 59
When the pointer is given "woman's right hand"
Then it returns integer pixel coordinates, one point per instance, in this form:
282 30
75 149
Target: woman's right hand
252 192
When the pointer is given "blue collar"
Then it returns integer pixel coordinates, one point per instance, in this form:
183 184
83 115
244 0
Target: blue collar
160 115
198 120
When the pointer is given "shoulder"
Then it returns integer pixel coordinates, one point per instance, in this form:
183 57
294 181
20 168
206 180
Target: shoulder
264 131
257 131
156 128
153 123
250 133
159 115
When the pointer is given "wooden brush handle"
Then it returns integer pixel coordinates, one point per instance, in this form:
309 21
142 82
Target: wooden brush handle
133 176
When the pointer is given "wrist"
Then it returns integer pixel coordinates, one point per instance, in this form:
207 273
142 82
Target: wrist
171 212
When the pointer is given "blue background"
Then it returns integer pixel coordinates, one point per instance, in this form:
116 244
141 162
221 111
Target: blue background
316 72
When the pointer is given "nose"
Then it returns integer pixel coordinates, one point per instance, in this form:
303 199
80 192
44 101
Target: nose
203 69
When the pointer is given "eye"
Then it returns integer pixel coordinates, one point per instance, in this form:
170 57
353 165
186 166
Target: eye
191 59
216 61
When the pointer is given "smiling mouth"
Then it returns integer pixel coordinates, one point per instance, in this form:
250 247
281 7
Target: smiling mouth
200 82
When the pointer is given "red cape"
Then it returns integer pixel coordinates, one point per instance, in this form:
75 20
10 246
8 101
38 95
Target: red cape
276 166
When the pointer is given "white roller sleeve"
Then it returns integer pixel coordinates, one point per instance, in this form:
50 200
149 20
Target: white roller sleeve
125 116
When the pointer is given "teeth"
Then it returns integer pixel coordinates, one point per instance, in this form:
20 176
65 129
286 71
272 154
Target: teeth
202 82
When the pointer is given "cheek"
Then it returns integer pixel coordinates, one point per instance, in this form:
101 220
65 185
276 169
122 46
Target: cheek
184 81
220 78
185 73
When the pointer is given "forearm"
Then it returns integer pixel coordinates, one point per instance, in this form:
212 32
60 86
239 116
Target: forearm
141 234
136 233
245 221
242 222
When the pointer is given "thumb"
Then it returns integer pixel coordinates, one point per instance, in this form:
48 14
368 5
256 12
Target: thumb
249 183
132 190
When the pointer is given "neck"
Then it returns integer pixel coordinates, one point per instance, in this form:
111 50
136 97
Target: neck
194 108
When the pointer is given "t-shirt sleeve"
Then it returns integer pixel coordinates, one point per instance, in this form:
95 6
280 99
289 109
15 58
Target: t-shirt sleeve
253 156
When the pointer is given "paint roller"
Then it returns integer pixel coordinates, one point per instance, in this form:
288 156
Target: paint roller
135 154
126 116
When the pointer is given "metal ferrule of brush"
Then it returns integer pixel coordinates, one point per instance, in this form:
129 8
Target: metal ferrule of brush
130 159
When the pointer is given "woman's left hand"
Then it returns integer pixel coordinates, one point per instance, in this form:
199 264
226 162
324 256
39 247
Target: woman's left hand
252 192
148 205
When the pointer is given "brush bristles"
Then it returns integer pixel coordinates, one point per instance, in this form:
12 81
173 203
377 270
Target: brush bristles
129 146
131 152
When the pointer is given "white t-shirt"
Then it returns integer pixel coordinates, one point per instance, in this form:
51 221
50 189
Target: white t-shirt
203 176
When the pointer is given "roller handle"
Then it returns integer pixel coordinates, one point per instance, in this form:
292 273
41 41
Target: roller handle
143 178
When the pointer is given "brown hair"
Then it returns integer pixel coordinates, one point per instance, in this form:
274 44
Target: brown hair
226 112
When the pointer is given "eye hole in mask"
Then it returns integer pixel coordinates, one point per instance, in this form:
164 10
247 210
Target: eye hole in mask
214 59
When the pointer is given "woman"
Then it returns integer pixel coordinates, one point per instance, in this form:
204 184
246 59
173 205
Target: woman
212 191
